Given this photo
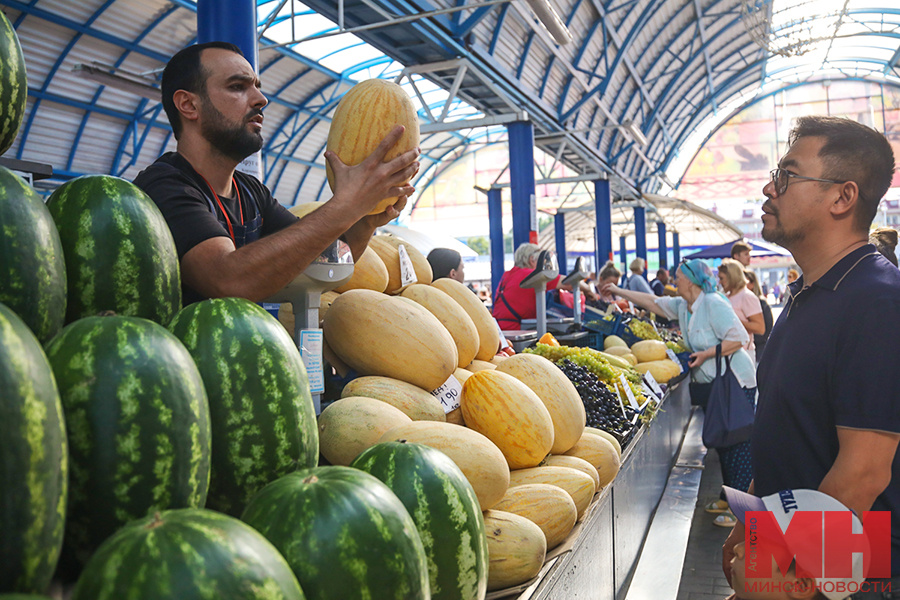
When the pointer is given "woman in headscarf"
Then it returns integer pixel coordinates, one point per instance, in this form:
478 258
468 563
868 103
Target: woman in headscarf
707 319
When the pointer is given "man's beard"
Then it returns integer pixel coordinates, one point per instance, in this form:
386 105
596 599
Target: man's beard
234 142
777 235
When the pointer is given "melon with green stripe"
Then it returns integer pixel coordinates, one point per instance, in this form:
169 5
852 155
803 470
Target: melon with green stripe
32 268
344 533
14 87
448 517
33 461
138 425
187 554
262 416
120 254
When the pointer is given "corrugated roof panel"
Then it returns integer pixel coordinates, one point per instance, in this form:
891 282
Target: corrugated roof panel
44 42
97 155
52 135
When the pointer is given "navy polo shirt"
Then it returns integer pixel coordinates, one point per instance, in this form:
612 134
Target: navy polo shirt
832 360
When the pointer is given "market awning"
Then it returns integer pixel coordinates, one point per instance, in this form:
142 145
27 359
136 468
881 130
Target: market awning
758 248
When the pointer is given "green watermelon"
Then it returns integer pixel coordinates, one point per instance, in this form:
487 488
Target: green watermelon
138 424
32 268
33 461
120 254
344 533
262 416
23 597
448 516
187 554
14 87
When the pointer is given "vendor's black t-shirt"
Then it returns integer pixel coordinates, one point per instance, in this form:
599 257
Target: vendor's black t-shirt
194 216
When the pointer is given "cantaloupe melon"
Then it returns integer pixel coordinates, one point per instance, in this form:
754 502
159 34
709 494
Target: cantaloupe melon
369 273
488 332
547 506
600 453
414 402
363 117
516 549
451 315
649 350
387 247
579 486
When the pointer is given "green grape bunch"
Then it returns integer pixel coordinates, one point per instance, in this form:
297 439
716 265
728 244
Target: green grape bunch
643 330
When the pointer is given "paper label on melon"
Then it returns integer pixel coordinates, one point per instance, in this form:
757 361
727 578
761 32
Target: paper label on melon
449 394
671 356
407 272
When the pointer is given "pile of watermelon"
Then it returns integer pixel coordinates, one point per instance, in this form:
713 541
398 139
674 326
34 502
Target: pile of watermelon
153 451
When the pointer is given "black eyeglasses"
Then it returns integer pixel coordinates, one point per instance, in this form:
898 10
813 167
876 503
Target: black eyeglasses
684 263
781 179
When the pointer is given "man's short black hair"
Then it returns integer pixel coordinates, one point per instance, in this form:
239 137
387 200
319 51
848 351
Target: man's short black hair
852 152
184 72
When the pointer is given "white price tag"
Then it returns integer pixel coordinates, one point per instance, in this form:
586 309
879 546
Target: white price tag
674 359
311 352
407 272
648 393
504 343
650 381
621 404
628 393
449 394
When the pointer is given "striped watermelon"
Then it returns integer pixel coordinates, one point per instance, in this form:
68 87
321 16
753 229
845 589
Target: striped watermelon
14 89
344 533
33 461
120 255
446 511
262 416
32 268
187 554
138 424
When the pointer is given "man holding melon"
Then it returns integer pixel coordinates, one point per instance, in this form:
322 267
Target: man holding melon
233 238
827 418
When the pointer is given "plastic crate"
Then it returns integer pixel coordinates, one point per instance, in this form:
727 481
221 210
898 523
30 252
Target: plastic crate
603 327
594 341
623 332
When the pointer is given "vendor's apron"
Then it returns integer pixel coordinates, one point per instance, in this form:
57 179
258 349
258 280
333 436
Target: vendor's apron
241 233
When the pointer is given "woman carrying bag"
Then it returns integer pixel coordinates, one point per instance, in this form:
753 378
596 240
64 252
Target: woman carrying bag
707 320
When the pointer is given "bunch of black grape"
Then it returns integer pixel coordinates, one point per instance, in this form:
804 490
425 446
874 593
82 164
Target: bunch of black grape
600 402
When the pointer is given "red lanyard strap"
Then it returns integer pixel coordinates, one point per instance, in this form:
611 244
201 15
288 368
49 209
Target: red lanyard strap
219 202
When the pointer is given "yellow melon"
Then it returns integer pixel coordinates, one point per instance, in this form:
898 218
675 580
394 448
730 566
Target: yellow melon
556 392
510 415
573 462
579 486
480 365
414 402
547 506
363 117
476 456
662 370
649 350
376 334
369 273
488 333
350 425
609 437
516 549
387 247
600 453
451 315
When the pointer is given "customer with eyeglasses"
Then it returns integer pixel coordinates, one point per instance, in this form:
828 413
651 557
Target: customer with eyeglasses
828 416
707 319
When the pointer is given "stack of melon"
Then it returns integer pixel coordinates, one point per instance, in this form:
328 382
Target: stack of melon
646 355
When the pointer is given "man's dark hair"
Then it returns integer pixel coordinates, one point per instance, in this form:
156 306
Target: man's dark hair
740 246
184 72
852 152
443 260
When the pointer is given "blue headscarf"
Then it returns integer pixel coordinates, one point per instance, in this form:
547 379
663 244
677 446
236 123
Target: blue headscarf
699 273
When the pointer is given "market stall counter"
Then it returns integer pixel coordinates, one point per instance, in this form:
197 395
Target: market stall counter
598 559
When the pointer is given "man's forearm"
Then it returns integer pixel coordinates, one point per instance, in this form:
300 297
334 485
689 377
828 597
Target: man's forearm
862 470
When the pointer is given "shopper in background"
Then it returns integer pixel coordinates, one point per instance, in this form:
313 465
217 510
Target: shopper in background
707 319
636 281
608 274
745 303
885 240
740 251
827 417
658 285
760 339
446 262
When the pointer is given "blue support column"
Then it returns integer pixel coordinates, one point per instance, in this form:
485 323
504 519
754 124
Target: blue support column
603 211
623 253
495 217
559 222
640 233
521 178
231 21
676 249
663 247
